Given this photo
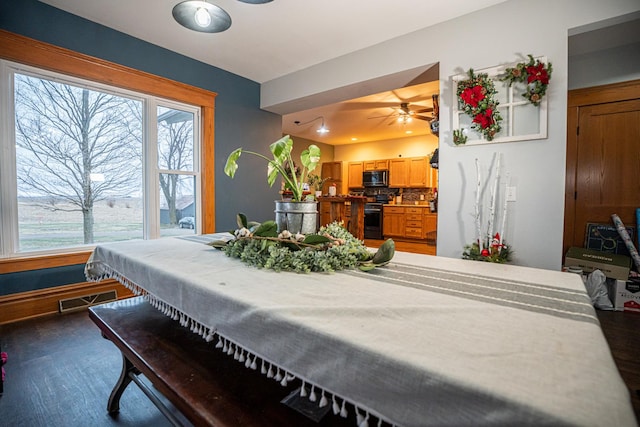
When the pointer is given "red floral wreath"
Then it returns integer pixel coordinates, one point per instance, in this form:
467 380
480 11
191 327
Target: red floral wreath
475 96
536 74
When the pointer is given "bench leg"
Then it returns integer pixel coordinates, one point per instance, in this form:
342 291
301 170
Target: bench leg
128 370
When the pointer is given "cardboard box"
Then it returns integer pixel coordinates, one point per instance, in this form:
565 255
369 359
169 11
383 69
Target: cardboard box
624 295
612 265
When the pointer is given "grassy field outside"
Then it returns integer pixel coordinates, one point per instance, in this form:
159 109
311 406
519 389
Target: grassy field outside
48 224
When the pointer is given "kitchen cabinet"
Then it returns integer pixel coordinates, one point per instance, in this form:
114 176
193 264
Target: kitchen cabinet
433 177
410 222
393 221
413 223
411 172
429 225
373 165
418 168
429 231
355 170
332 172
398 173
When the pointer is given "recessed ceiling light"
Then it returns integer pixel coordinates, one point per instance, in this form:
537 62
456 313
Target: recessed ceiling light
354 139
255 1
409 132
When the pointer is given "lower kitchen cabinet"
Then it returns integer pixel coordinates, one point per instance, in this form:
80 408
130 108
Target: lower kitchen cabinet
393 221
413 223
410 222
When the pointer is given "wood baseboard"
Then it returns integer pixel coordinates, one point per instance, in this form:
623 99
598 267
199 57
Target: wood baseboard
30 304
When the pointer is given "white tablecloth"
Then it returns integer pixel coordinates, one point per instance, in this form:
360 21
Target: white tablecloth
426 341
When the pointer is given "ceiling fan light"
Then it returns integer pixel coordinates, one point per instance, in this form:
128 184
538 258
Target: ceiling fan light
202 17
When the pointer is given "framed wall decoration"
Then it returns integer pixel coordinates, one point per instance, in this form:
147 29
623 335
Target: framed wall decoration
501 104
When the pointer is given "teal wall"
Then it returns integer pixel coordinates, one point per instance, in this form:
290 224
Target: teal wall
238 119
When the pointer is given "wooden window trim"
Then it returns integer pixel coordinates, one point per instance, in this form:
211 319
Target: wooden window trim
24 50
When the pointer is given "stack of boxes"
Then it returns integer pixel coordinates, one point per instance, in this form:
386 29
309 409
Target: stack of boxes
623 292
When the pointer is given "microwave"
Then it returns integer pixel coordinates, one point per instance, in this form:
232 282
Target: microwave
376 178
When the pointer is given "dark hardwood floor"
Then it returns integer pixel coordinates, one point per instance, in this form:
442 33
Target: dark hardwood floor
60 372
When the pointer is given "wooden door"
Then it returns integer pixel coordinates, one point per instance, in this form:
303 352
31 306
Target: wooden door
603 163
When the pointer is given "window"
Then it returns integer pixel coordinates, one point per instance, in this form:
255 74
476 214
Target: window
87 163
521 120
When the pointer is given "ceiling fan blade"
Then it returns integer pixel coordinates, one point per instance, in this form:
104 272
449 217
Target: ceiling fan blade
424 110
386 116
428 119
367 105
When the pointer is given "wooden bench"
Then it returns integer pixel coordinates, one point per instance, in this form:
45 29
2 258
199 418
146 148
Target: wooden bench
207 386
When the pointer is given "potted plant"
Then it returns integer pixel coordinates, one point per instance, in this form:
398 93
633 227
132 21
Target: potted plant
297 215
316 182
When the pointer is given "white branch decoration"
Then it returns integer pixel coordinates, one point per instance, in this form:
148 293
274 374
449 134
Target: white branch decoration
478 219
492 204
504 210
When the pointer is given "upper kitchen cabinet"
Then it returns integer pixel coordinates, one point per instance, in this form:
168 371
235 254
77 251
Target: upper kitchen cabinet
398 173
411 172
332 172
373 165
418 168
355 170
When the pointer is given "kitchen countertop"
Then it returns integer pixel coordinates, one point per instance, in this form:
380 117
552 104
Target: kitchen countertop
409 205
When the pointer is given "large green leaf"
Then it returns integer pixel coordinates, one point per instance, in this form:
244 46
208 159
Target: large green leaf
267 229
310 157
272 172
231 166
384 253
281 149
315 239
241 220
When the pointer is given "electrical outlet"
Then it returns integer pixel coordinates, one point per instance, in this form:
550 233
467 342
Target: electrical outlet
511 194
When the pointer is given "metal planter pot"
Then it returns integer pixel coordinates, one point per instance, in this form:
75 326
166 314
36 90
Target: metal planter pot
297 217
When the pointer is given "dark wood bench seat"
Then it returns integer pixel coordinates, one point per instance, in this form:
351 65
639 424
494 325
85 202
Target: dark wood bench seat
207 386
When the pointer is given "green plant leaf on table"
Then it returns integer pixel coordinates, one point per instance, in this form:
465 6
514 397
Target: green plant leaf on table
382 256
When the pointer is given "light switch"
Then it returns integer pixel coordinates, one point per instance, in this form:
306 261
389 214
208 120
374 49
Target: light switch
511 194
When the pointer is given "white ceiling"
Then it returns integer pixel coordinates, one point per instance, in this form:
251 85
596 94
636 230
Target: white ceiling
267 41
270 40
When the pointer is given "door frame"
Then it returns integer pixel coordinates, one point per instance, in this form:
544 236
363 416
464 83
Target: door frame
579 98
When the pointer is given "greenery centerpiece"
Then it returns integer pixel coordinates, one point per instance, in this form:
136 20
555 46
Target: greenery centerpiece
332 248
296 215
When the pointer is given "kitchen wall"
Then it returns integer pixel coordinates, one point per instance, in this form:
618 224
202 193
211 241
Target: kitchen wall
413 146
498 35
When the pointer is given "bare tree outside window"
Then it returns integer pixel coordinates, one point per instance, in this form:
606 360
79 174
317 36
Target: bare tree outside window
75 147
175 154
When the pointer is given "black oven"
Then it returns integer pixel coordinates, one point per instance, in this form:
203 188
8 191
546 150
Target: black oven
373 221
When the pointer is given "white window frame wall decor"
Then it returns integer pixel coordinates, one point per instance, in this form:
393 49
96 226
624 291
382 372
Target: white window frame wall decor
512 105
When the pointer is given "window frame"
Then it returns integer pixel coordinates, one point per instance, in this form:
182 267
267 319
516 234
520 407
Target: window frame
30 52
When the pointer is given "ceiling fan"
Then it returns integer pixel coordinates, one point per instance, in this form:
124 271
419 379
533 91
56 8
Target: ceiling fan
403 114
